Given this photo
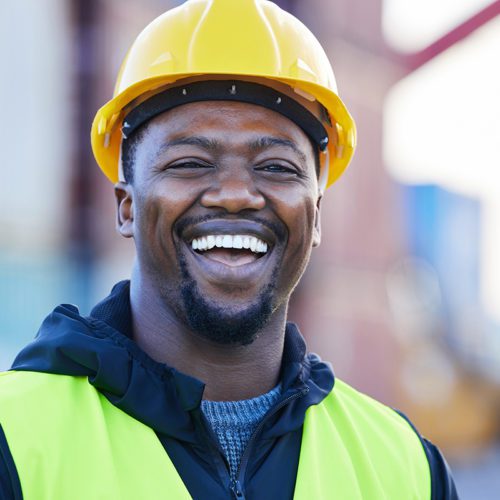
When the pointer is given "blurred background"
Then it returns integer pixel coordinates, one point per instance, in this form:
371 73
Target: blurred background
403 295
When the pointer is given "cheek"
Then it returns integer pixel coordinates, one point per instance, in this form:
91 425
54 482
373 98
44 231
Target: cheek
298 214
155 216
148 219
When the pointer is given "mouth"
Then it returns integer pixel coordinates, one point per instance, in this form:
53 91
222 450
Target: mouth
230 252
230 249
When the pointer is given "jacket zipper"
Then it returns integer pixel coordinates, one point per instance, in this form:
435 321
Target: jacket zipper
210 438
237 485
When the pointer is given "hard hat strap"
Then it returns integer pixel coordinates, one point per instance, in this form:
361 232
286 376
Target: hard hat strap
228 90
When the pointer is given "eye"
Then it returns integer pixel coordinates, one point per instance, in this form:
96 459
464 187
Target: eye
185 168
279 168
188 165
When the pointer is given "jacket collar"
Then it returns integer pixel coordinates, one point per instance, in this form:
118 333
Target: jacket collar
101 347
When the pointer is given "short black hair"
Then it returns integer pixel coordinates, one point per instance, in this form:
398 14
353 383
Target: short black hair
129 147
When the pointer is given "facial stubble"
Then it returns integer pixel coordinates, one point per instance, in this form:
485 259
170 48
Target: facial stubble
218 322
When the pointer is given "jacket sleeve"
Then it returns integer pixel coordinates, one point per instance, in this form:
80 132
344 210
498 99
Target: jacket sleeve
442 484
10 485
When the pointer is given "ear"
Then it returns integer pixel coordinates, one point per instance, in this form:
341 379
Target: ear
317 223
125 209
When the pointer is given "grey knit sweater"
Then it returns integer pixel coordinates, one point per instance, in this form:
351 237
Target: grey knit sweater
234 422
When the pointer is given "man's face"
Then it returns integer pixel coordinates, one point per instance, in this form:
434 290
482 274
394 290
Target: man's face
224 211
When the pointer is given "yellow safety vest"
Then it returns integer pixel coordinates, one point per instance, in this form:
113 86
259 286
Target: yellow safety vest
70 443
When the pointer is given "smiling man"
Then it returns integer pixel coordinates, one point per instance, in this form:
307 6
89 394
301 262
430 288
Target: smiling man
187 380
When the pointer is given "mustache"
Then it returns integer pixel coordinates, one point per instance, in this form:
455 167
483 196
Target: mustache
277 227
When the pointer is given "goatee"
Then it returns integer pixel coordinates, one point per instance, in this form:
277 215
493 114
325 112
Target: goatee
219 323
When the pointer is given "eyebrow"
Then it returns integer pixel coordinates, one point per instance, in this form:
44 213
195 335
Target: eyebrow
214 145
269 141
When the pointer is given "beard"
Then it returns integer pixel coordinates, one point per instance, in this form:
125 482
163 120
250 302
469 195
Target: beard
219 323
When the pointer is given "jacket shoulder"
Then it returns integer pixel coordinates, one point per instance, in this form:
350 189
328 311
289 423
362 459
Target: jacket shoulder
359 402
392 425
30 401
15 385
362 449
19 399
26 388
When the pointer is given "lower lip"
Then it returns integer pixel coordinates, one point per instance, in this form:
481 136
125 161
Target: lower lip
218 272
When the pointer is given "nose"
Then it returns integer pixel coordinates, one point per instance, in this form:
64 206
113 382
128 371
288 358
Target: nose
233 190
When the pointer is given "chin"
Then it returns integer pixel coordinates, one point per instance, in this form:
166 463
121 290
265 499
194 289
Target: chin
226 324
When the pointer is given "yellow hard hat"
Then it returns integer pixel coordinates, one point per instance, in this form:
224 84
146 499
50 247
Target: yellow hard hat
241 40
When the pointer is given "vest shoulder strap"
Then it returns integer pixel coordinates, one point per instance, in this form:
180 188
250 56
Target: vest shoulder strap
61 431
66 433
355 448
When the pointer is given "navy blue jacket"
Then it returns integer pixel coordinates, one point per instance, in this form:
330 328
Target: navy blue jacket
101 347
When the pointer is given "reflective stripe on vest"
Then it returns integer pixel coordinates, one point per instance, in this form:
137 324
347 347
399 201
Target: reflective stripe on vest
70 443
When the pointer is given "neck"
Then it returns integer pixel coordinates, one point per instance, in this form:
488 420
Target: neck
230 372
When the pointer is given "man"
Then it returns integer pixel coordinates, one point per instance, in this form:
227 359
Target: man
224 131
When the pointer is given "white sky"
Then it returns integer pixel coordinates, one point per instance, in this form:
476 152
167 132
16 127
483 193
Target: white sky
411 25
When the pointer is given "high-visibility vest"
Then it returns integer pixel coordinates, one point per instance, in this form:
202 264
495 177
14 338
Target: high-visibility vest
70 443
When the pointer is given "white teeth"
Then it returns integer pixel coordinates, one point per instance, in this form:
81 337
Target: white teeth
261 247
253 244
227 241
238 241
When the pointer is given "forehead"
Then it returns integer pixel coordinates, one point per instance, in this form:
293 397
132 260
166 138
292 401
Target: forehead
228 123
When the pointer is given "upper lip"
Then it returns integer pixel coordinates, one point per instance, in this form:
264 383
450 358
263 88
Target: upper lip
226 226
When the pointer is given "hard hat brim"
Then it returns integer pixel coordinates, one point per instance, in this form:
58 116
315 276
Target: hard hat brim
106 134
